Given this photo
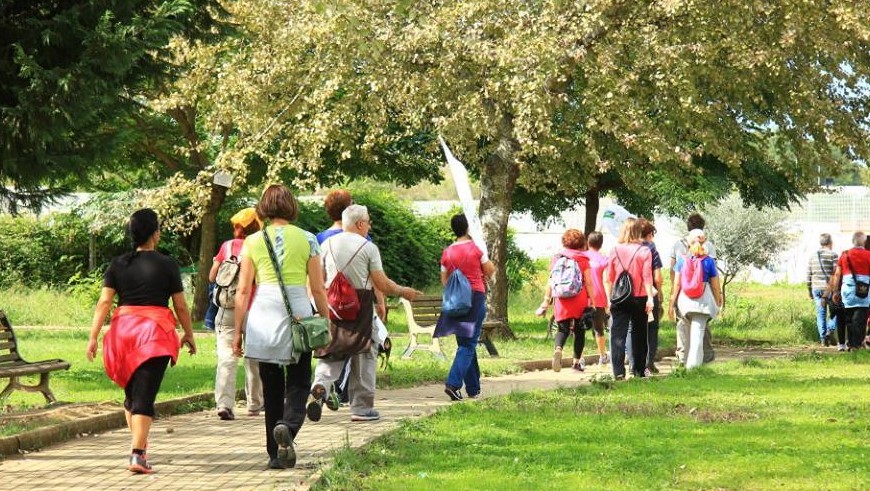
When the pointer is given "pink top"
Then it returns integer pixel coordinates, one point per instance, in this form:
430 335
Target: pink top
597 263
640 268
468 258
572 307
235 245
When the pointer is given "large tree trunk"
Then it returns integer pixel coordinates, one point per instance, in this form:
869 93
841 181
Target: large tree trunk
592 203
207 249
498 179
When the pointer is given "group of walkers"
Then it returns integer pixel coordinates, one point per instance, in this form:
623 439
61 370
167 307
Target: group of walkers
586 287
281 273
838 284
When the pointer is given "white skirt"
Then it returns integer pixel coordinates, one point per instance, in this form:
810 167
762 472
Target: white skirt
267 329
705 304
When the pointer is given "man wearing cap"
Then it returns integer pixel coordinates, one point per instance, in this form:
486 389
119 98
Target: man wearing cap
245 223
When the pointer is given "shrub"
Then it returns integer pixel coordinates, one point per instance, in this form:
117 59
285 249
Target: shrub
410 246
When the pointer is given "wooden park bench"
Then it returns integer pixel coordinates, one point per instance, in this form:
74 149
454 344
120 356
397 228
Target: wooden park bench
422 315
12 366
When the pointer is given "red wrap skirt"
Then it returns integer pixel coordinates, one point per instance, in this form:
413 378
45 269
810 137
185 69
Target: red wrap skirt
137 334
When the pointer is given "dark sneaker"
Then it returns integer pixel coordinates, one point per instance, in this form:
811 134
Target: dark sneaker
653 368
286 453
275 464
314 409
557 360
332 401
226 414
370 415
139 465
453 393
577 367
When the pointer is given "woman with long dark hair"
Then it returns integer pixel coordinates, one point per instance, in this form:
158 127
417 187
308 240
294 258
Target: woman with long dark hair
141 341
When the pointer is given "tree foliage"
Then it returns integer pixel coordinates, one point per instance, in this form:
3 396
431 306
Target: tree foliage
745 236
69 74
553 96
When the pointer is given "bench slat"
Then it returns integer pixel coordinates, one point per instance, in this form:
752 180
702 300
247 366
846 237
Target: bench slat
14 356
5 334
7 345
32 368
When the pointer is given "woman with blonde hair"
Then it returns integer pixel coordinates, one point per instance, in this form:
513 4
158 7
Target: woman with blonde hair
285 374
629 307
698 310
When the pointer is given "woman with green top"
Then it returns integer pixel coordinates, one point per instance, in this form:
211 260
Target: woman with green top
286 375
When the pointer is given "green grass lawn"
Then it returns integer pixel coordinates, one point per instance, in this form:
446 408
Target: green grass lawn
799 423
754 315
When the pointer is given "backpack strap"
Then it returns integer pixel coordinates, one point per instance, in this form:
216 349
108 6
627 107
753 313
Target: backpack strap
334 261
822 266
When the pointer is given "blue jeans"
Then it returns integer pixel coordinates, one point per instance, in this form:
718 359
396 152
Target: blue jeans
465 368
212 310
823 323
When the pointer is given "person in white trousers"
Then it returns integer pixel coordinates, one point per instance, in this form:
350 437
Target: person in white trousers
245 223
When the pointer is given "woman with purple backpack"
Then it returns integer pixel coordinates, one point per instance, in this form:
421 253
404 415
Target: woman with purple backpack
697 294
570 288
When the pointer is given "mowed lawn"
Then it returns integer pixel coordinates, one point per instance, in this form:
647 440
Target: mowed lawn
801 423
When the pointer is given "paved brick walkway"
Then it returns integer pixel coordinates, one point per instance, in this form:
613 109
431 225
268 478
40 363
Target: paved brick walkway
197 451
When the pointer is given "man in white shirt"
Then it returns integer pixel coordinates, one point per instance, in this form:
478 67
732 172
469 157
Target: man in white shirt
360 261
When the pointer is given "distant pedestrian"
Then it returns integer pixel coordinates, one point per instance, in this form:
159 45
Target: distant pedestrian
245 223
474 263
820 270
142 340
681 248
700 304
853 273
631 256
597 265
649 232
286 374
569 310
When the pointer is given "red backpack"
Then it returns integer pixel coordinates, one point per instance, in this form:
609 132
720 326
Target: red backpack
692 276
341 295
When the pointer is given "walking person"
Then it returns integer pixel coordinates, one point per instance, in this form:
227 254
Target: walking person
697 293
359 261
648 230
853 273
285 374
245 223
474 263
141 341
632 257
597 265
570 289
335 203
681 248
819 272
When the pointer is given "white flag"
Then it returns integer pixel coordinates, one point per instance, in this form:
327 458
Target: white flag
463 189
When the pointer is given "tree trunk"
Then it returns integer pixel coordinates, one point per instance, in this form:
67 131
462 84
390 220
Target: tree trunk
207 249
498 179
592 203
